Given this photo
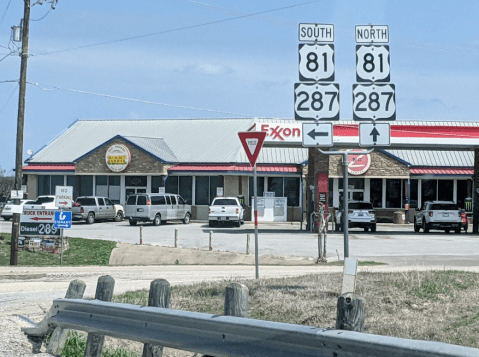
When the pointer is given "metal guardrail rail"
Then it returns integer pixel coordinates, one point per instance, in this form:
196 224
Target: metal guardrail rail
230 336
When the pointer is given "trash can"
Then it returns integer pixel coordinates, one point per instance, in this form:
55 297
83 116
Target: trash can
399 217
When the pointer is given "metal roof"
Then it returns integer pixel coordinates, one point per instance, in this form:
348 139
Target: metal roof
156 147
434 158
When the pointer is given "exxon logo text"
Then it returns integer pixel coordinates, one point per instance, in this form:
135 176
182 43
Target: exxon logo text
279 132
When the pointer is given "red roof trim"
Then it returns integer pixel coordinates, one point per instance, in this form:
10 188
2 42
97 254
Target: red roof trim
234 168
59 167
440 171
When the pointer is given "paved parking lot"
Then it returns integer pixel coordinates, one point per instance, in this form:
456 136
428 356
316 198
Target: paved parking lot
391 243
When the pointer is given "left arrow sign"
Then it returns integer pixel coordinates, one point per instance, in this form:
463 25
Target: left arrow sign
317 134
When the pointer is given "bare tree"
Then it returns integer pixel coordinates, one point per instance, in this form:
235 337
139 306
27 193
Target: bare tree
7 181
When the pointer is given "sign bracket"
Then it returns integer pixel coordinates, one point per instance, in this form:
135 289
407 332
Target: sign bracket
345 191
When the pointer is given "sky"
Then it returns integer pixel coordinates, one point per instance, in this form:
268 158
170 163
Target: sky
176 59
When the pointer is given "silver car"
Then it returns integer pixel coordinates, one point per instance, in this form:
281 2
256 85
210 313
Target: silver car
156 208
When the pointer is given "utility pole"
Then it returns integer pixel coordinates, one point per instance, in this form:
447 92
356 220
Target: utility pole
20 125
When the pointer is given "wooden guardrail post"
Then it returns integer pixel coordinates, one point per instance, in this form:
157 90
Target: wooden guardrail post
236 301
351 313
104 292
160 295
176 238
59 336
211 240
247 243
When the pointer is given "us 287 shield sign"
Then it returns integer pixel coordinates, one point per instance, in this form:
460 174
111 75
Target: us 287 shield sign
316 101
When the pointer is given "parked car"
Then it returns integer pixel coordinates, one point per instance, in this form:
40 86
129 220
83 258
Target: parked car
360 215
93 208
7 213
46 202
442 215
225 209
157 208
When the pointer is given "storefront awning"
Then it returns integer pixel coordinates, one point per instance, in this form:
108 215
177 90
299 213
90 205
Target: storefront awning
440 171
50 168
234 168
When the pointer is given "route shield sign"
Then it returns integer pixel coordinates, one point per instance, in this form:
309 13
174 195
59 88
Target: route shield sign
316 101
372 64
316 62
374 102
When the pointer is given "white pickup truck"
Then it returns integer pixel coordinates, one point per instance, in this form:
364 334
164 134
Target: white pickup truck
226 209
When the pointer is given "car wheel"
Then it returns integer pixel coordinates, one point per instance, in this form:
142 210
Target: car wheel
186 220
448 230
90 219
132 223
366 229
425 226
458 230
238 223
465 228
119 216
373 228
416 227
157 220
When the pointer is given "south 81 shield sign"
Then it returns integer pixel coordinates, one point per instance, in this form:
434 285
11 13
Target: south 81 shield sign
316 62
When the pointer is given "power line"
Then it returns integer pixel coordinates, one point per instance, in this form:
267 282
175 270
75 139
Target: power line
178 29
41 18
8 5
53 88
10 97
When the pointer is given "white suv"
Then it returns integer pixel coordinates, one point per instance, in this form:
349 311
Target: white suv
360 214
443 215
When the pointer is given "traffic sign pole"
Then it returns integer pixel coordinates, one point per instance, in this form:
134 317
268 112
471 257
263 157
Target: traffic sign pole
255 208
61 238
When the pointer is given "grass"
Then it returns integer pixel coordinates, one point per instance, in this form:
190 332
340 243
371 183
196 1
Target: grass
81 252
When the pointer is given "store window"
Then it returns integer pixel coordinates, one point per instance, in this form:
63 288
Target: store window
259 188
413 189
86 185
108 186
156 183
135 181
205 189
376 192
330 192
47 183
291 191
73 181
428 190
393 193
463 191
275 184
445 189
355 189
182 185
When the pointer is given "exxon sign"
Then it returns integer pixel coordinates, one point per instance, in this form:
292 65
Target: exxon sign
281 134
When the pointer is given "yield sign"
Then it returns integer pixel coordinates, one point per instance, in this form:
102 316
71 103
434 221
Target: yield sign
252 142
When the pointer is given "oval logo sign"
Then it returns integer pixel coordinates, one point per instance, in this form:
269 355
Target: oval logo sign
117 157
358 164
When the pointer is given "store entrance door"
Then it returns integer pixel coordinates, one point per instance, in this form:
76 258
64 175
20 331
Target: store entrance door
135 184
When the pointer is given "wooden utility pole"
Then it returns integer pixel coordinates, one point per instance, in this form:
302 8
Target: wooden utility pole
20 124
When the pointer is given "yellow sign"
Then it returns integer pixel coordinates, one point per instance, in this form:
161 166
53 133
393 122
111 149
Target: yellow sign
118 157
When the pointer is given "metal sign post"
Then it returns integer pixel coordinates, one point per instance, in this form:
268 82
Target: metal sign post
255 208
344 215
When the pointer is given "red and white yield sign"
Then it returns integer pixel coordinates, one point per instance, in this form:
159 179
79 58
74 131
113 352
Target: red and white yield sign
252 142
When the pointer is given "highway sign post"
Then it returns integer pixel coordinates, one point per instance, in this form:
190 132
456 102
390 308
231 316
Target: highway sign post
252 142
317 134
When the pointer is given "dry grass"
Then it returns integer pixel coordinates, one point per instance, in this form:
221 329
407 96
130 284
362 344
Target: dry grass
435 305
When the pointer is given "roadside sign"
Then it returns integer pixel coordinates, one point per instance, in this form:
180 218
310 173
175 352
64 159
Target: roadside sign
358 163
374 134
38 222
161 190
374 102
316 62
372 34
16 194
372 63
316 33
317 134
63 196
316 101
63 219
252 142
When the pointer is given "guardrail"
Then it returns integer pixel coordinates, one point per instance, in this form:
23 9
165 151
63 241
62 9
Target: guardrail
215 335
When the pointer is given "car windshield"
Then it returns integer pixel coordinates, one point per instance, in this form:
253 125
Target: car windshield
360 205
225 202
444 207
41 200
85 201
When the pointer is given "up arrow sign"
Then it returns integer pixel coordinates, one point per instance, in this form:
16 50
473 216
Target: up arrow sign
374 134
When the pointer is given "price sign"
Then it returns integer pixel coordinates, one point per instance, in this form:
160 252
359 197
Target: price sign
374 102
372 63
316 62
316 101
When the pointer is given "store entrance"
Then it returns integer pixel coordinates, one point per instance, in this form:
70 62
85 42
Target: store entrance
135 184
